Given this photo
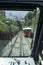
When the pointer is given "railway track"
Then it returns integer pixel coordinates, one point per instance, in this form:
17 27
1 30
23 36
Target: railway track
20 46
8 49
26 46
13 45
28 42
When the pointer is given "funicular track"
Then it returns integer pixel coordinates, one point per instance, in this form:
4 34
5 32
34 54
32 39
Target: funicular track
8 49
20 46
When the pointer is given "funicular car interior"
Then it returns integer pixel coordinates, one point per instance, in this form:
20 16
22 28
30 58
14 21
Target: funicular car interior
37 51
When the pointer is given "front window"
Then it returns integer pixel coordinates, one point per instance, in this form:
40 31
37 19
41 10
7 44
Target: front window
13 41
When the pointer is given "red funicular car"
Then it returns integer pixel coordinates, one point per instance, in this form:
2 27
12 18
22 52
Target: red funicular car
27 32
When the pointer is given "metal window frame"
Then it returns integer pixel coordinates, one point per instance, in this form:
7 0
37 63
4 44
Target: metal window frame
25 7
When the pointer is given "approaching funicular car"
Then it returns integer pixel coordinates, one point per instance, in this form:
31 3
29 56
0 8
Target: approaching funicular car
28 32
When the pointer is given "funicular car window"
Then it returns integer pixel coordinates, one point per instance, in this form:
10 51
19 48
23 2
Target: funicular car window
14 40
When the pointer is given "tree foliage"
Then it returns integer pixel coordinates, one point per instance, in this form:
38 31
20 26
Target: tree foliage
7 25
31 18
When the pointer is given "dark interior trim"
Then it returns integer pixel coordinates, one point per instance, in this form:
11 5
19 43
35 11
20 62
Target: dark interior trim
18 6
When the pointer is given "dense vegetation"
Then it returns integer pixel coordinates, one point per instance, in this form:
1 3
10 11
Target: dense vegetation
8 27
31 18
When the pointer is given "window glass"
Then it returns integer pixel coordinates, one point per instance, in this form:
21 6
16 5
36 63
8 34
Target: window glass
14 39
